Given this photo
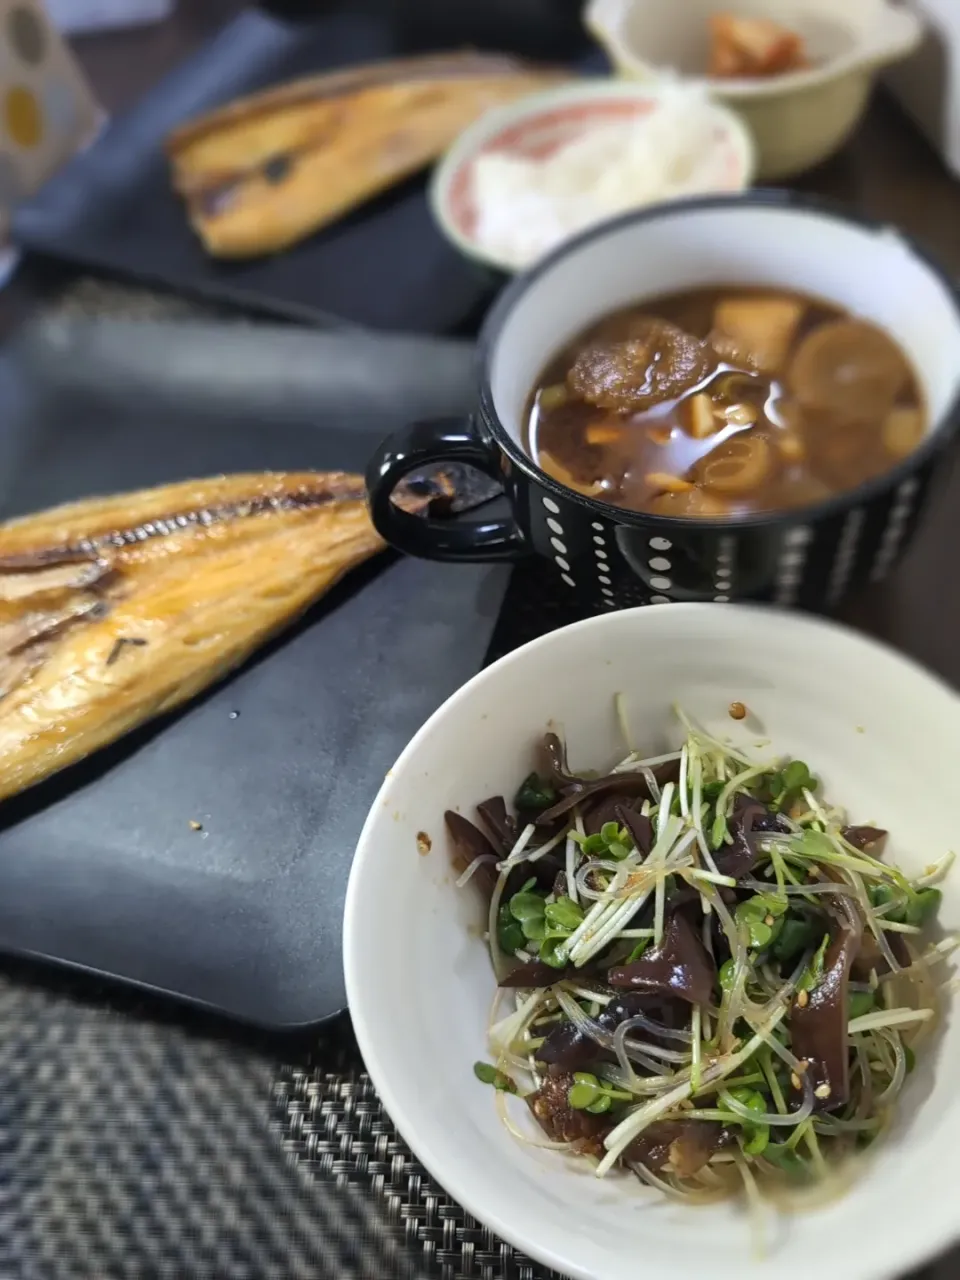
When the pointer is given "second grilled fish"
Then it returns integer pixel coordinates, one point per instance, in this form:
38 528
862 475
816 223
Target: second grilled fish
261 173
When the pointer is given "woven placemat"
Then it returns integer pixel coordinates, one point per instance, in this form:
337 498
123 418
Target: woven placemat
141 1141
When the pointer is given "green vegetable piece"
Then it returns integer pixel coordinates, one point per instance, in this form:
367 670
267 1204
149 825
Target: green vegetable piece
594 845
794 779
637 951
726 974
756 1143
755 1137
796 934
526 906
772 904
564 914
924 906
534 794
882 894
511 940
553 950
579 1096
860 1003
509 934
534 928
487 1073
610 831
601 1103
786 1159
760 934
775 786
750 909
814 844
747 1097
710 790
618 851
584 1091
718 830
797 776
812 976
751 913
741 1094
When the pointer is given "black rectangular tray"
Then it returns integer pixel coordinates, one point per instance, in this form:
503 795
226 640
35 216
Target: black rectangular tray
112 208
99 866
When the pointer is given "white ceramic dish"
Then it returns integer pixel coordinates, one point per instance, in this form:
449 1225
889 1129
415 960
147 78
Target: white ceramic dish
882 734
538 125
797 120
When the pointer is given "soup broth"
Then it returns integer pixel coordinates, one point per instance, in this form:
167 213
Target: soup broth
725 402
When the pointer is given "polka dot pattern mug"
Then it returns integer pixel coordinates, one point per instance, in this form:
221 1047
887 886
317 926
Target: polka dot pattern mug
808 557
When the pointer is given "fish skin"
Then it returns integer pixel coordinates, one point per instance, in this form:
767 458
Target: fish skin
204 572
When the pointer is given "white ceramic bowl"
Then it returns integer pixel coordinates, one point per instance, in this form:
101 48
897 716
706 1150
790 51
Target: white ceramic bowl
796 120
885 738
537 125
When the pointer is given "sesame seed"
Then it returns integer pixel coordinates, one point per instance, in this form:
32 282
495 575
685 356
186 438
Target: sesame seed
803 999
795 1080
822 1091
737 711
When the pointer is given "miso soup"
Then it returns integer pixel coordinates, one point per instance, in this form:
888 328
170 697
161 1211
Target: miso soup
725 401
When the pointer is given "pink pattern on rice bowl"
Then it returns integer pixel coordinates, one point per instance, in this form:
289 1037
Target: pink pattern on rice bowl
539 136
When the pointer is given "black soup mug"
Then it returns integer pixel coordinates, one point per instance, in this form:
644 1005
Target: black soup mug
809 557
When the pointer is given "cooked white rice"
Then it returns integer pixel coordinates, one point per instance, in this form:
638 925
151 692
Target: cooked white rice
527 207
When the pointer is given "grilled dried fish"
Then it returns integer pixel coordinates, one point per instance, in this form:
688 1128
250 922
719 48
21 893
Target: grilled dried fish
115 610
268 170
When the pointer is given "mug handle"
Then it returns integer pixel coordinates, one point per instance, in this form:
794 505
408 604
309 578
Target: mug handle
438 440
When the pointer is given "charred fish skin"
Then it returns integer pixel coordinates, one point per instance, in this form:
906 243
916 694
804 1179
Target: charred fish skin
117 610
